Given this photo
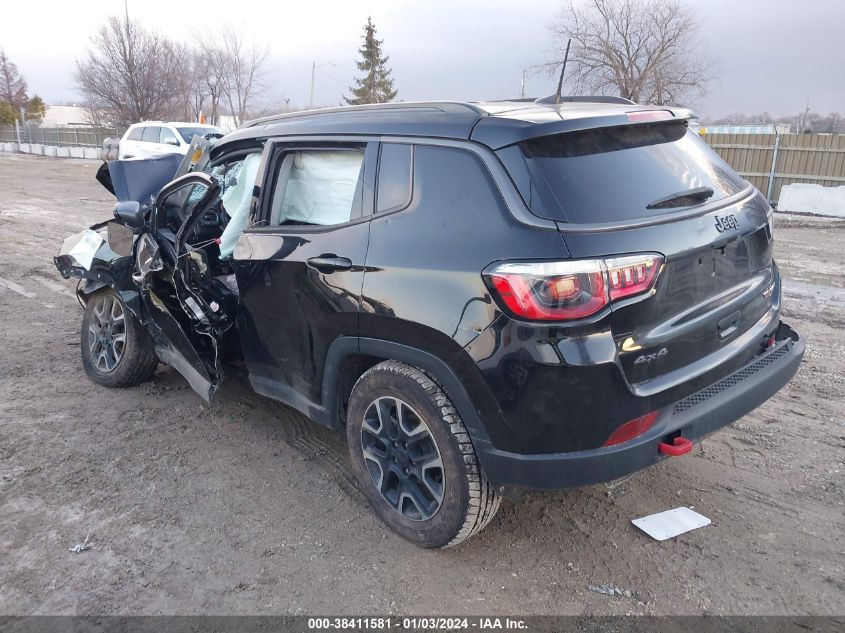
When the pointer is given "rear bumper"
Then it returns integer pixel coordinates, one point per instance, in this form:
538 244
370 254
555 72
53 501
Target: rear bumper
693 417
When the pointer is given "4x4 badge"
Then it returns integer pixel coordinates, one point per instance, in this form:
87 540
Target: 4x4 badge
727 223
647 358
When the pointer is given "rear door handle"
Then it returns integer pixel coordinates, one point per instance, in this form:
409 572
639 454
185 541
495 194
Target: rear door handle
330 263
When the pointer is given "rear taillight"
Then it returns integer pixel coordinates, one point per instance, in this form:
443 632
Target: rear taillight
631 429
550 291
568 290
632 275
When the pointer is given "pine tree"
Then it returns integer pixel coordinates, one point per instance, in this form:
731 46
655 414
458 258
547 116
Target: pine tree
376 86
36 109
7 114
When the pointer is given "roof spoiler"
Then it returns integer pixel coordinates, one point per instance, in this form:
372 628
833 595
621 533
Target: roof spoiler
584 99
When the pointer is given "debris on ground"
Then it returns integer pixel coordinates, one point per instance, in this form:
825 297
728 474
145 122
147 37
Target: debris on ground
81 547
671 523
610 590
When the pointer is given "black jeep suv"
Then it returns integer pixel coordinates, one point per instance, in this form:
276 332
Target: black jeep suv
483 297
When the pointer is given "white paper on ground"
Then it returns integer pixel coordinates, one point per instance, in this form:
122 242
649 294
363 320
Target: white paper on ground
86 248
671 523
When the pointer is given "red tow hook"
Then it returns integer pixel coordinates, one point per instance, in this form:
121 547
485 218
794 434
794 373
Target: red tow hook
679 446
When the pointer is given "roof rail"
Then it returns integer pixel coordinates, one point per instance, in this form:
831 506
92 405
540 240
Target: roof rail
450 107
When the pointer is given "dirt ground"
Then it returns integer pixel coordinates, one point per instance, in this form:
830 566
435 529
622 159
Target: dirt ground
248 507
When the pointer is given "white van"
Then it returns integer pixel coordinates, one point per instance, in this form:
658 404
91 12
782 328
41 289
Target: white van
158 137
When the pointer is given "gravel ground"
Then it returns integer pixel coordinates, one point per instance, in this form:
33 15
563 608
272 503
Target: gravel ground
248 507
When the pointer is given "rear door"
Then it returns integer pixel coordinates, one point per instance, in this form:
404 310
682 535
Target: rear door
150 142
300 272
658 188
130 147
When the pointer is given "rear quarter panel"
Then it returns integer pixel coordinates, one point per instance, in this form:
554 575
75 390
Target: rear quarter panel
423 285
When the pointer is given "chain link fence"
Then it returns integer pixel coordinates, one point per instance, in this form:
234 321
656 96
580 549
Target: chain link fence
76 136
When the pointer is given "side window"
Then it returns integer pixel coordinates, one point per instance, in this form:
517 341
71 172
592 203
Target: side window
226 174
151 134
394 177
167 136
457 183
136 134
317 187
178 205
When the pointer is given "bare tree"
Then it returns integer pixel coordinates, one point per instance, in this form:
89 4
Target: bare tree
643 50
194 86
131 74
234 71
833 123
211 73
12 85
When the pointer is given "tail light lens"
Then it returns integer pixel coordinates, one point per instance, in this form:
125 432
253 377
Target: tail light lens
567 290
551 291
631 429
629 276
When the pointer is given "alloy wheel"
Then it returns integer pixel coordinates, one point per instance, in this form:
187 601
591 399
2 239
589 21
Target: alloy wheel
107 333
402 458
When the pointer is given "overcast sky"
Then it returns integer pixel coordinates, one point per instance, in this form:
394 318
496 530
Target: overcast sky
769 55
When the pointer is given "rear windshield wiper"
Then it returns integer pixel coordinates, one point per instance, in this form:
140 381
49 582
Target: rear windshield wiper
683 198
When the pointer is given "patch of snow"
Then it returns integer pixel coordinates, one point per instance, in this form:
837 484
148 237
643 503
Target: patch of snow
805 198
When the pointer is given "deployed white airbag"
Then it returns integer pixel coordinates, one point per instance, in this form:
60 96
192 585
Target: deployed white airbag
317 187
236 201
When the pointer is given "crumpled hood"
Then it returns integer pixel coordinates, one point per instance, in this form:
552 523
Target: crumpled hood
138 180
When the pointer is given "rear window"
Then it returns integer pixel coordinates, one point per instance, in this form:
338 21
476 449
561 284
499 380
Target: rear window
394 181
614 174
151 134
135 134
187 133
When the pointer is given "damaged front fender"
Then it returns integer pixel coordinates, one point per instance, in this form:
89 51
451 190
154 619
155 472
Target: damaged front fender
89 257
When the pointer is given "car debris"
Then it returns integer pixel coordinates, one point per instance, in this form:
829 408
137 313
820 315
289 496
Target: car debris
83 546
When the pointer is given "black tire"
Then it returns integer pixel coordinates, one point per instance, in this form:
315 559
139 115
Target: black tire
133 360
466 503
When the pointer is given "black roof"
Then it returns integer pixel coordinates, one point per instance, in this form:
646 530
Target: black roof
495 123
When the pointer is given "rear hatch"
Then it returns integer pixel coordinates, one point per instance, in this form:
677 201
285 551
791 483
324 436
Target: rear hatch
658 188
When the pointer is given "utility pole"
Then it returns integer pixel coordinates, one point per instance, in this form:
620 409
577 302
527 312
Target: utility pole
522 86
806 116
311 98
130 59
314 67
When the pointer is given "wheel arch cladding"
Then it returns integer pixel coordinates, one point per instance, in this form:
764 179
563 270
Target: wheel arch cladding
369 352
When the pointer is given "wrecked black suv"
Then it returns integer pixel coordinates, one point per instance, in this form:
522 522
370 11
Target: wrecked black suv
483 297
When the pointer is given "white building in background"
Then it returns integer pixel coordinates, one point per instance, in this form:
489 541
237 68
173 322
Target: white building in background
226 122
65 116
